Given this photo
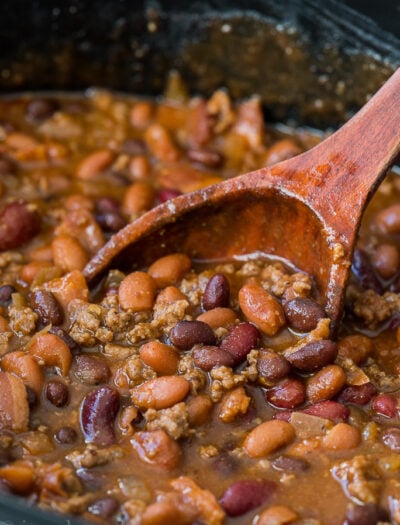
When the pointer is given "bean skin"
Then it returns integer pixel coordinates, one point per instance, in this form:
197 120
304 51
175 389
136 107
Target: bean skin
303 313
314 355
364 272
57 393
208 357
98 413
206 157
358 394
161 392
356 347
261 308
388 219
157 448
47 307
18 224
271 367
326 383
342 437
218 317
6 292
289 394
137 292
186 334
162 358
240 341
386 260
216 293
385 405
268 437
90 370
170 269
245 495
329 410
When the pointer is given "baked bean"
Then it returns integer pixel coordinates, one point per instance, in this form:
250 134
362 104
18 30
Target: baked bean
208 357
358 394
162 392
326 383
50 350
98 412
46 306
6 292
289 394
24 366
157 448
329 410
170 269
94 164
216 293
42 253
388 219
14 408
303 313
261 308
162 358
18 225
282 150
367 514
277 515
139 168
30 272
218 317
271 367
68 253
104 507
90 370
245 495
198 408
240 341
290 464
386 260
356 347
160 143
342 437
268 437
385 405
206 157
364 272
57 393
233 404
141 114
41 109
313 355
139 197
137 292
66 436
186 334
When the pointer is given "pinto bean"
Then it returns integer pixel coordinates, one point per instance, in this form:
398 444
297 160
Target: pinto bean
162 358
261 308
186 334
138 198
271 367
162 392
218 317
19 475
277 515
18 225
94 163
356 347
240 341
208 357
385 260
91 370
69 287
170 269
170 295
157 448
216 293
51 351
268 437
245 495
26 367
46 306
289 394
326 383
342 437
98 412
137 292
14 408
206 157
31 271
57 393
314 355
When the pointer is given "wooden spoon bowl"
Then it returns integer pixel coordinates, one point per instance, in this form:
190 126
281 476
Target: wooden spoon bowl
306 210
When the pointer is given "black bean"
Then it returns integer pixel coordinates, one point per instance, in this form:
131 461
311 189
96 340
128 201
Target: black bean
207 357
303 314
57 393
62 334
290 464
98 413
7 166
364 272
18 224
105 507
90 370
240 341
41 109
217 292
206 157
391 438
66 435
133 147
368 514
6 292
47 307
314 355
186 334
272 367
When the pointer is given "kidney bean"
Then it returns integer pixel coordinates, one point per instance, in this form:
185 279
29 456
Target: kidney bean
157 448
303 313
206 157
73 346
216 293
41 109
391 438
313 356
385 260
290 464
66 435
385 405
6 292
98 412
332 410
104 508
46 306
356 347
268 437
170 269
326 383
94 163
18 225
162 358
272 367
133 147
388 219
92 479
367 514
342 437
358 394
166 195
90 370
161 512
161 392
218 317
289 394
261 308
245 495
7 166
110 222
363 271
186 334
57 393
240 341
208 357
138 198
137 292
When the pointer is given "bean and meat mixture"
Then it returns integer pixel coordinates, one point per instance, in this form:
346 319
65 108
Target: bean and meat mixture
183 392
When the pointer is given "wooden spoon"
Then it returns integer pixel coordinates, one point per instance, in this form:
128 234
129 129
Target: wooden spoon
306 210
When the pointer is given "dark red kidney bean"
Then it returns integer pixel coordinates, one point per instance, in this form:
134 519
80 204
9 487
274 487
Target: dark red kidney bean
357 394
186 334
208 357
57 393
217 292
332 410
90 370
386 260
107 205
289 394
6 292
18 225
303 313
368 514
206 157
47 307
391 438
285 415
62 334
272 366
240 341
66 435
290 464
166 195
364 272
111 222
314 355
98 413
92 479
32 397
41 109
133 147
7 166
385 405
104 508
245 495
